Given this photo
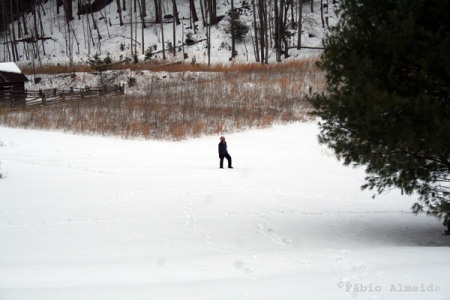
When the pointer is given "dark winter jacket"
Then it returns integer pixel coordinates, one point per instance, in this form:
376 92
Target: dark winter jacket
223 148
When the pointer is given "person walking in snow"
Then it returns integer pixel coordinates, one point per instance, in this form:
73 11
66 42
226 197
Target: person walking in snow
223 153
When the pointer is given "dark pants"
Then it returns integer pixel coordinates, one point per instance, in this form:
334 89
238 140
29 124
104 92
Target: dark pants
228 157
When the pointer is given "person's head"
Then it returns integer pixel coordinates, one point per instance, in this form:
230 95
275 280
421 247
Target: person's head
222 139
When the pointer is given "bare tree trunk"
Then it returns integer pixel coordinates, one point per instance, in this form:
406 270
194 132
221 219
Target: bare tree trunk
79 8
284 27
280 10
85 36
89 34
13 37
94 22
135 28
36 32
193 11
261 20
58 4
69 48
300 25
270 29
209 31
68 10
6 20
131 30
203 13
157 15
291 3
144 8
9 43
119 10
321 13
19 25
182 42
162 31
142 24
312 5
233 39
24 21
42 30
256 32
174 6
277 31
175 12
213 17
266 32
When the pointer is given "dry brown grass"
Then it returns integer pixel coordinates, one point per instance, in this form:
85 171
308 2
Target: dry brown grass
234 97
55 69
169 66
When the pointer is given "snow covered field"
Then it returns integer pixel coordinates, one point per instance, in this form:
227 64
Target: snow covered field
87 217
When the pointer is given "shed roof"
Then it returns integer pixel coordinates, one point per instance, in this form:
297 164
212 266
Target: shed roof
10 72
9 67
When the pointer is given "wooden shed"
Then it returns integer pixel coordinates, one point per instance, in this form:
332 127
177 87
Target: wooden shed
12 82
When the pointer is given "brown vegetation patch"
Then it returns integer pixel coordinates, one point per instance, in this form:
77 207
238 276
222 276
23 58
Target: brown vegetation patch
234 97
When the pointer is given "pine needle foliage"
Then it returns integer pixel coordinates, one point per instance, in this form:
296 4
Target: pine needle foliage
387 104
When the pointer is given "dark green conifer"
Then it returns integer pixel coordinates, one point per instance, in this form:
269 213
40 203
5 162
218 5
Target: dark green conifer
387 104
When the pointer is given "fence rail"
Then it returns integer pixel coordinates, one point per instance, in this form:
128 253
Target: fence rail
29 98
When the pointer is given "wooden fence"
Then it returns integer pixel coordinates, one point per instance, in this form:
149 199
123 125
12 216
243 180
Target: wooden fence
17 99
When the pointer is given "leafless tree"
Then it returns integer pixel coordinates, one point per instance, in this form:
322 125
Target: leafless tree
193 11
233 39
158 17
68 10
299 24
162 29
142 15
321 13
264 36
256 44
174 6
119 11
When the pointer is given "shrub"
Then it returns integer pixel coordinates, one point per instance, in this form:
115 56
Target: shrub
189 38
131 81
99 64
169 46
241 29
148 53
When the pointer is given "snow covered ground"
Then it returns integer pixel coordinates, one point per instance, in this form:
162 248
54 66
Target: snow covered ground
88 217
59 47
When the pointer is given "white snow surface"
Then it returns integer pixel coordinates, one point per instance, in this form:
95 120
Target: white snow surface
9 67
60 48
90 217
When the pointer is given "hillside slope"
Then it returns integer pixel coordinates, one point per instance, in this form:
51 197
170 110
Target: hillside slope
75 43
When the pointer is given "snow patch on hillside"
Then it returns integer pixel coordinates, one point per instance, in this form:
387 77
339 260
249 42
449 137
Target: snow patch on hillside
114 39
